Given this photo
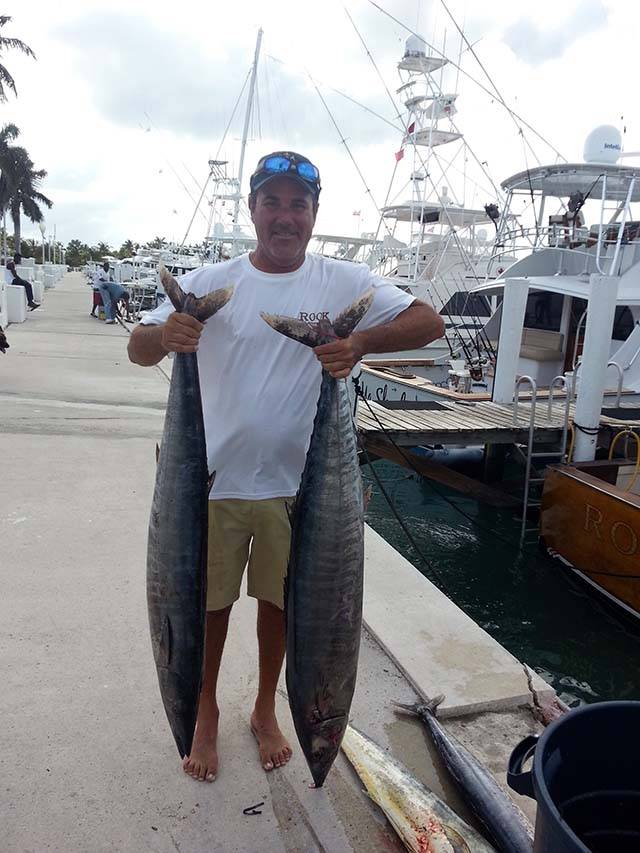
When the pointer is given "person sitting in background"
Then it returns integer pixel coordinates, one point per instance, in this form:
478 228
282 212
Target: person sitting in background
16 280
110 291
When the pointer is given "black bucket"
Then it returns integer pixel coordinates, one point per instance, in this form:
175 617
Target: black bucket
586 780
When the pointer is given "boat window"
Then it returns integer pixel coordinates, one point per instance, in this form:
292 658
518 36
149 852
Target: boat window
465 304
544 310
622 323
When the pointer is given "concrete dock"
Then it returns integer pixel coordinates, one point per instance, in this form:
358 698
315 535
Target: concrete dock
87 760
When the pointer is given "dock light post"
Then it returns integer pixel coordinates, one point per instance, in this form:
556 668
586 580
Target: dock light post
43 231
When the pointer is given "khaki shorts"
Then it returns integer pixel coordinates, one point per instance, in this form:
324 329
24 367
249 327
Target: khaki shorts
241 531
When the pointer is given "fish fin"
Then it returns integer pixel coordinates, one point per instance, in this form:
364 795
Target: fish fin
366 497
418 708
456 841
290 507
297 330
157 452
348 319
200 307
210 481
164 645
432 704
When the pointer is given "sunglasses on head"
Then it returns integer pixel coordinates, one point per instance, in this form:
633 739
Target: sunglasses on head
281 164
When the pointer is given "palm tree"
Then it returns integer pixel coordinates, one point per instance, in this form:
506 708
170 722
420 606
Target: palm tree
128 249
24 196
10 44
8 133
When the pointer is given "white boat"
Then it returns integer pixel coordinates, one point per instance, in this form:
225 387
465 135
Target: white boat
432 243
546 291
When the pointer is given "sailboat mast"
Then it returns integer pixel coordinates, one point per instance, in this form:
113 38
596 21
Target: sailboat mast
245 131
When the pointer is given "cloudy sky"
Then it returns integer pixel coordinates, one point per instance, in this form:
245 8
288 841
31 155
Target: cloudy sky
129 99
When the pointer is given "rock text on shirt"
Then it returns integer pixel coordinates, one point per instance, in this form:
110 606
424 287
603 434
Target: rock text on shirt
313 316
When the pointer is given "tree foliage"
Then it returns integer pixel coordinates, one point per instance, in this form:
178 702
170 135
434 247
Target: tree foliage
8 43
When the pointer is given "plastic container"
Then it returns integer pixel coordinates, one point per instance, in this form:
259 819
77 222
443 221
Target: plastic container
586 780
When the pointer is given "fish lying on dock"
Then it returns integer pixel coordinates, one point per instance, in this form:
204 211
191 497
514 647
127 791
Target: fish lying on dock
323 592
177 546
505 823
4 343
424 823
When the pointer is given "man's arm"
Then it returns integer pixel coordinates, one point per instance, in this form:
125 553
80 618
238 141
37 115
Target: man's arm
416 326
148 345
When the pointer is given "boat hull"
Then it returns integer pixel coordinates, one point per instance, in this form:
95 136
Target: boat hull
594 527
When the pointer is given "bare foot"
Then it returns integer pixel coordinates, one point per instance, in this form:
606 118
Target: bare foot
202 764
272 745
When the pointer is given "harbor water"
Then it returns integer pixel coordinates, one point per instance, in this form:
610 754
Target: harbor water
532 605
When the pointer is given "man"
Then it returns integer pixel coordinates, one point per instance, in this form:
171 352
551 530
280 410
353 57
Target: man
259 393
14 278
110 291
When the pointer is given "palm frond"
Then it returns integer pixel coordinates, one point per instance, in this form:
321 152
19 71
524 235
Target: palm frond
15 44
6 80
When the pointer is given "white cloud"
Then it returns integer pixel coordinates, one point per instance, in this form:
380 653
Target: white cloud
108 71
535 43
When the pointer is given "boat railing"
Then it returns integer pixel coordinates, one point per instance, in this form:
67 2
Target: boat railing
522 380
561 381
626 209
620 379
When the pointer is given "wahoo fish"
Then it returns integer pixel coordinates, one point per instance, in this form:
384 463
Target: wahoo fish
505 823
323 590
177 544
424 823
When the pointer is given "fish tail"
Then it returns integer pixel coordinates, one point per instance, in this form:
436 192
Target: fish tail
200 307
420 708
346 322
298 330
315 334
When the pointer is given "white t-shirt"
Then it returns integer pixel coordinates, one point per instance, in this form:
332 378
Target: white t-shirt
260 389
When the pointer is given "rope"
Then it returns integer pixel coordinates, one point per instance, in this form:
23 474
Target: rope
407 459
637 438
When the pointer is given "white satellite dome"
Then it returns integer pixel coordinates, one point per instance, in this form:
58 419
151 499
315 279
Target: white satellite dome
603 145
415 46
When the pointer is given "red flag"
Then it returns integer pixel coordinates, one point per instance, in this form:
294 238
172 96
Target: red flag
399 155
411 127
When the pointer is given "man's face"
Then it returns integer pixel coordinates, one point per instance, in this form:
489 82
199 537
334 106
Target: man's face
105 267
284 215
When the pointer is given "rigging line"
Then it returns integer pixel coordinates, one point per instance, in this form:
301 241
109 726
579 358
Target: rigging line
451 503
486 73
430 566
178 178
485 171
386 202
470 77
533 203
454 232
344 142
464 21
415 147
208 178
348 98
182 163
256 119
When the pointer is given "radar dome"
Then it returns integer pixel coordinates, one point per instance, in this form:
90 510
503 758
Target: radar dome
415 46
603 145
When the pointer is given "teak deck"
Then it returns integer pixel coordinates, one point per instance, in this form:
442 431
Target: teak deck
481 422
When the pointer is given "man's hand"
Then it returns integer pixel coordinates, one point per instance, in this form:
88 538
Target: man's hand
339 357
181 333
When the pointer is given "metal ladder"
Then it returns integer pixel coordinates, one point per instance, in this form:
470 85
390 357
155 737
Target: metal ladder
527 500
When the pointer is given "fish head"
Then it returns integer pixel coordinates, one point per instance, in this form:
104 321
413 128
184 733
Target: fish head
324 736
